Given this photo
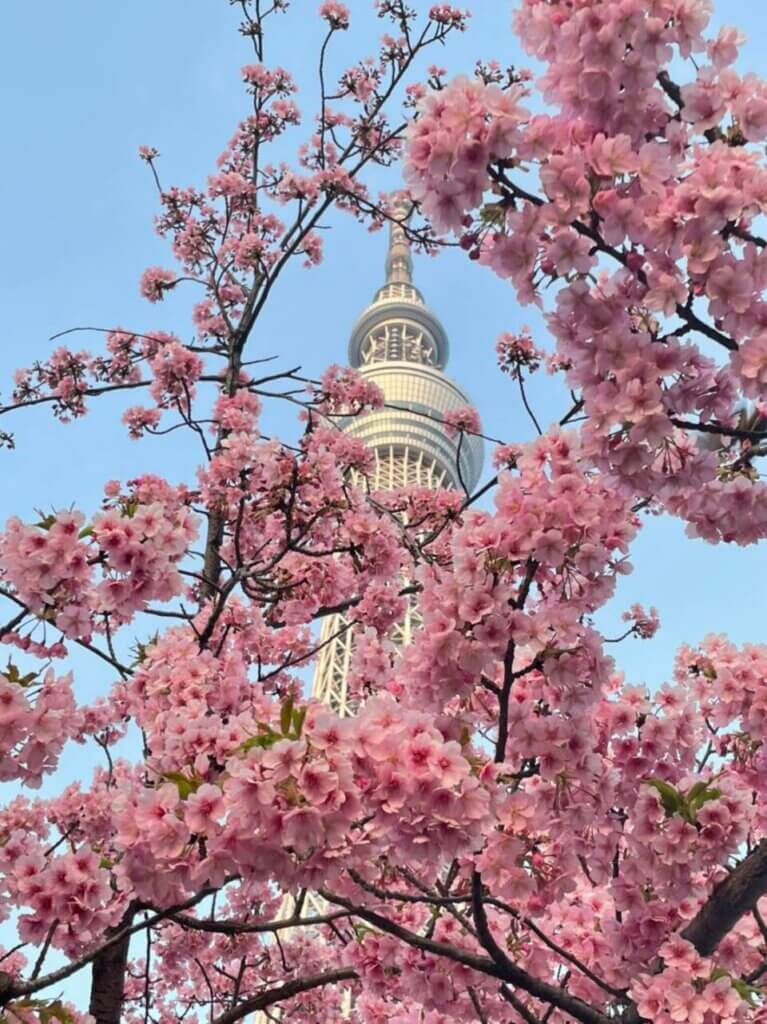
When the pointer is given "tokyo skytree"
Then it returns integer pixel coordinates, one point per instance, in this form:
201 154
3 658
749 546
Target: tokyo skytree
399 344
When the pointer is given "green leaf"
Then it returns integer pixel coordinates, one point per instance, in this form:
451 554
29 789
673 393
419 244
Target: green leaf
699 795
55 1010
13 675
749 993
184 785
286 715
141 649
671 799
299 717
685 804
493 213
254 741
87 531
45 1011
264 740
695 791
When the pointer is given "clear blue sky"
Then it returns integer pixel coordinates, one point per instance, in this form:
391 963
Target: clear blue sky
83 85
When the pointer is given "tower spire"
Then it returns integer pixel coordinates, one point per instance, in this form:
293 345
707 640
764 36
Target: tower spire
399 262
398 326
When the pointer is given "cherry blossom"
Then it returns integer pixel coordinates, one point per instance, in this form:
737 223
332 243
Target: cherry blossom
506 827
639 195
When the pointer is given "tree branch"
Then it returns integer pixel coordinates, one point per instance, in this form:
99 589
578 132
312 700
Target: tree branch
498 967
731 899
286 991
521 979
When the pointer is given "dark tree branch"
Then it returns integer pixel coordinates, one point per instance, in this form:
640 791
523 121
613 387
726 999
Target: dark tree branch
286 991
242 928
108 977
498 967
519 1006
684 312
731 899
717 428
516 976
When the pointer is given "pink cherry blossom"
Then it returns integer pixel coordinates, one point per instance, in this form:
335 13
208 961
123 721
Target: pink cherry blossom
495 822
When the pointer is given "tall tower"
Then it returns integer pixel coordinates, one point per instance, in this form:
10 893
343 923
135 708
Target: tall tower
399 343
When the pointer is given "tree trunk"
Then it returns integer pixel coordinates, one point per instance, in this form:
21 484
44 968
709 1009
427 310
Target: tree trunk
108 980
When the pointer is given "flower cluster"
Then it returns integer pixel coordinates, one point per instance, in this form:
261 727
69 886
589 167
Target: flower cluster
517 351
643 182
495 783
134 547
155 281
139 419
175 371
62 379
344 391
71 888
688 989
37 717
644 624
457 132
447 14
554 523
463 420
281 792
335 14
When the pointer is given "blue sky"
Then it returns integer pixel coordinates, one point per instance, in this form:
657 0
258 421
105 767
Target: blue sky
83 85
